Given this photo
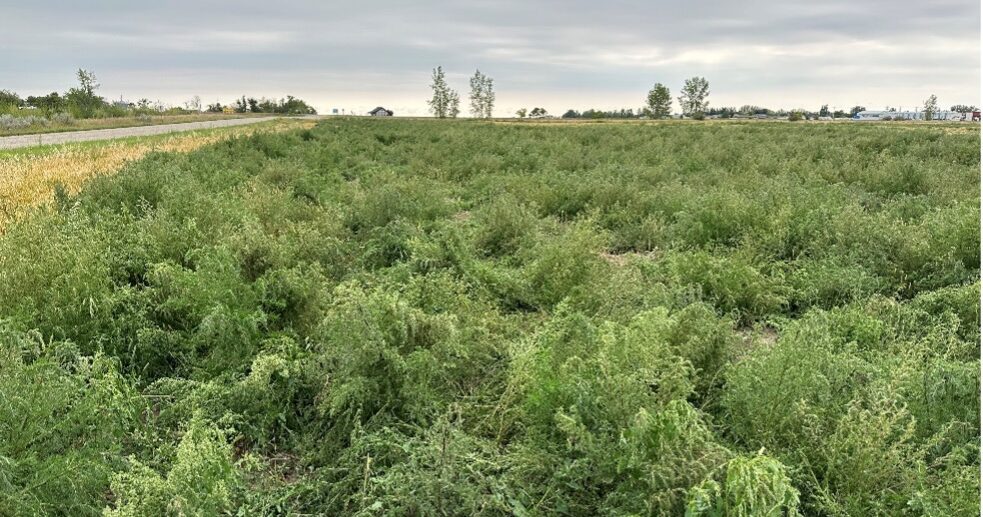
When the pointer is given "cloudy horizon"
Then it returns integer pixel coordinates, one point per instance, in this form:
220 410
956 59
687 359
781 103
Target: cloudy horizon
558 55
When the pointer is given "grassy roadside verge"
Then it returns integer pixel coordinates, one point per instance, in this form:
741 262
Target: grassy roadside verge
29 176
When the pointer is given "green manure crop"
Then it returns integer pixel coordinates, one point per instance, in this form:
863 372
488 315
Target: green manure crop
398 317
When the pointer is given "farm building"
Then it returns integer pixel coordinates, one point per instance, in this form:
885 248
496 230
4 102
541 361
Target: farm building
381 112
953 116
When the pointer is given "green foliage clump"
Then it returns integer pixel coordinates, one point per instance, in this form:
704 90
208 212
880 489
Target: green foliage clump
606 407
65 422
201 481
731 282
848 392
755 486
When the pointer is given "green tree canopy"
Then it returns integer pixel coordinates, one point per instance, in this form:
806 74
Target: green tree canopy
82 100
693 100
659 101
931 106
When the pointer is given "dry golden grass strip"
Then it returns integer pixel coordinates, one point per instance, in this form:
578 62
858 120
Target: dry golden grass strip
28 179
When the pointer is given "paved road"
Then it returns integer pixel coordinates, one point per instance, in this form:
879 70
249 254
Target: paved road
12 142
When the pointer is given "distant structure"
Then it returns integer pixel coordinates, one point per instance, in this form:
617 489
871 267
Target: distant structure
953 116
381 112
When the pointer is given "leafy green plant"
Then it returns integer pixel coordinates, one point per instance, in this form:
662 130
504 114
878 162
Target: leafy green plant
201 481
755 486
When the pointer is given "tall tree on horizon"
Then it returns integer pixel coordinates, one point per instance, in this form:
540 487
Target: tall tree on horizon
489 96
477 97
659 101
693 100
453 103
440 100
931 106
482 95
83 101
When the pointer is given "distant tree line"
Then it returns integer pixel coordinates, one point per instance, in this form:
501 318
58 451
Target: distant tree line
79 101
964 108
83 101
750 110
597 114
661 110
658 103
536 112
693 103
289 106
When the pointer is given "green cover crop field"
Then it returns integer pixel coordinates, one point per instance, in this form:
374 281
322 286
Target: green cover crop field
399 317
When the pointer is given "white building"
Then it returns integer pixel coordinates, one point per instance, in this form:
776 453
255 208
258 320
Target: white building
912 115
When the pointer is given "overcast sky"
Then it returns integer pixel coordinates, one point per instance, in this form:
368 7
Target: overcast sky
555 54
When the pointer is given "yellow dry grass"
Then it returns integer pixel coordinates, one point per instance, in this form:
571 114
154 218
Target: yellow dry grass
29 179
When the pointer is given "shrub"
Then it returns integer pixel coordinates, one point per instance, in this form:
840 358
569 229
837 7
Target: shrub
503 227
756 486
60 444
730 282
201 481
564 266
9 122
589 391
395 371
62 118
854 378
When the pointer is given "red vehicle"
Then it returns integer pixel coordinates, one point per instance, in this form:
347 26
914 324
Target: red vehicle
976 116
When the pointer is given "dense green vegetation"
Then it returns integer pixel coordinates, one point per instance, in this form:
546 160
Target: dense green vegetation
390 317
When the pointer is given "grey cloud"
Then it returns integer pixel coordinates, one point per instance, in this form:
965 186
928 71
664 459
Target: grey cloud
579 52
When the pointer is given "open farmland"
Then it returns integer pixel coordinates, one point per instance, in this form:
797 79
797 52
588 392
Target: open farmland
392 317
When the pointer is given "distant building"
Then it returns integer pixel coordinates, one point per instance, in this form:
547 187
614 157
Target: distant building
381 112
953 116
